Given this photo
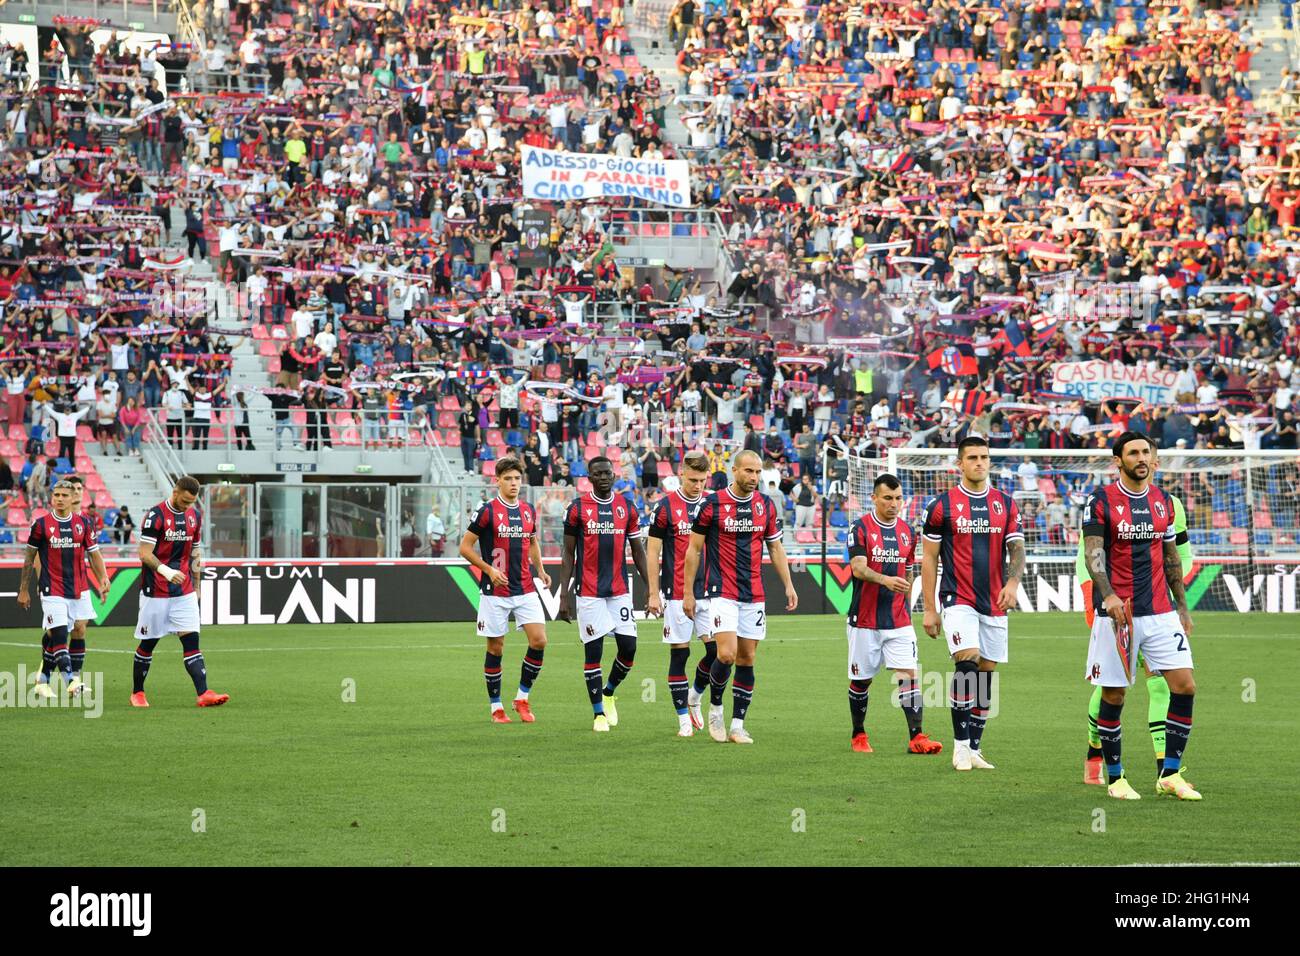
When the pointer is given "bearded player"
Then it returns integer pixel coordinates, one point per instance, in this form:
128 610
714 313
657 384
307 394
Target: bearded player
599 528
670 536
1129 544
170 553
505 530
728 538
976 530
63 540
1157 686
882 550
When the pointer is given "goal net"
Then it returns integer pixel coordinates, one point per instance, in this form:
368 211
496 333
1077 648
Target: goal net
1243 515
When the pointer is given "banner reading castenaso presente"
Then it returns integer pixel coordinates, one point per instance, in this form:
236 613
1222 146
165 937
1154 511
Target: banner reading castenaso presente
556 175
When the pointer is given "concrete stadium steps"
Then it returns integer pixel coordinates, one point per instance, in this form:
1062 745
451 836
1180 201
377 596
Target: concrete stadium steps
1273 56
129 481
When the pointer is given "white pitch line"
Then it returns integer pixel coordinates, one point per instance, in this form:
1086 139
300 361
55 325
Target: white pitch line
478 646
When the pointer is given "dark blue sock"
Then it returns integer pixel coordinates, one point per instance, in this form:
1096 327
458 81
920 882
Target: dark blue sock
1108 728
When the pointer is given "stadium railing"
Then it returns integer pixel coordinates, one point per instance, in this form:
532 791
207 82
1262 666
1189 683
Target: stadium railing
404 438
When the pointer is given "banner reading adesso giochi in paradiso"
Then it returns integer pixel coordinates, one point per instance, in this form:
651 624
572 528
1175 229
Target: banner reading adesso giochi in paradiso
558 176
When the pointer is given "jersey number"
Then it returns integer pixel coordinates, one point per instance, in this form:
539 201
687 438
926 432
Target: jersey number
625 614
759 620
1182 642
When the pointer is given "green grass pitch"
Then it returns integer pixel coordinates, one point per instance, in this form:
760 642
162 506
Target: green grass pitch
412 772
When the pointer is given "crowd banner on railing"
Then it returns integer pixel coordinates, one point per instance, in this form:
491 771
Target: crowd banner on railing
1097 381
364 591
551 174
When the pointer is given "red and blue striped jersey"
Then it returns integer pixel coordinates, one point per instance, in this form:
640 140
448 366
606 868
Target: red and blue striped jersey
734 530
674 516
62 544
890 549
600 556
505 534
174 535
1134 529
973 531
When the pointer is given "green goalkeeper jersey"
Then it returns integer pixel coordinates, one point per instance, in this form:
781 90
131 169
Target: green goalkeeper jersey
1180 539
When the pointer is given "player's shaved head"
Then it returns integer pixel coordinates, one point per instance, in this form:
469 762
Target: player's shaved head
746 469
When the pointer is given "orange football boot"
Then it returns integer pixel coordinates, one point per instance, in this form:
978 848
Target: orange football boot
524 711
210 698
499 717
921 744
139 700
861 744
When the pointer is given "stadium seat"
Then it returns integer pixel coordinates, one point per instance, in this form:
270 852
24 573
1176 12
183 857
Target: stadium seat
17 517
105 536
6 537
103 500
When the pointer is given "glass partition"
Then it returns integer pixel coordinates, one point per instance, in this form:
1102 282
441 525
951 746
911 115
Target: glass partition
357 521
226 513
289 521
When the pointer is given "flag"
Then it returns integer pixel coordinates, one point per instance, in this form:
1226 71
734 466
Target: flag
955 360
1015 337
904 162
1044 325
966 401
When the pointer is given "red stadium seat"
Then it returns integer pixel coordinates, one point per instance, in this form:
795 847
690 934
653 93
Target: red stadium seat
17 517
103 500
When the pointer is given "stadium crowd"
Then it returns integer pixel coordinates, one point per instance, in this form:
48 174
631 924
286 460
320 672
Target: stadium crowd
928 210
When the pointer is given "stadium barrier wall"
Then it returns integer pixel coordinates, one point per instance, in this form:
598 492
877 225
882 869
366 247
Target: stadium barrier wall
368 591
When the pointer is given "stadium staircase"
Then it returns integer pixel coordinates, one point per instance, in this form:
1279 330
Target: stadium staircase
1275 54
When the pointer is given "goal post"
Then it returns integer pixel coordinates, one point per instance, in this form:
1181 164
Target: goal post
1243 515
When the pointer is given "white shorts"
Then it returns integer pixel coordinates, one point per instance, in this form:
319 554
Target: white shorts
965 627
160 616
748 620
678 628
85 611
58 612
599 616
494 613
1159 638
871 648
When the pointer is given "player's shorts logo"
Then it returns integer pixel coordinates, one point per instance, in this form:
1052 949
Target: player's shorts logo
482 626
49 619
668 631
591 630
854 669
717 620
956 638
1096 672
144 629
